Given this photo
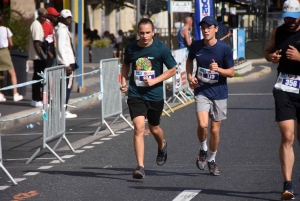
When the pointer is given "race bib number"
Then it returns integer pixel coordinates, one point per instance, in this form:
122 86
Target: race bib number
207 76
288 83
140 75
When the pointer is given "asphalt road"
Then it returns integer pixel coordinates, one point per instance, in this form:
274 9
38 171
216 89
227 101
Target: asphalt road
247 157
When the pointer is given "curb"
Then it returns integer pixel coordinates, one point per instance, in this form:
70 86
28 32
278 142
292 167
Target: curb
38 117
250 77
256 61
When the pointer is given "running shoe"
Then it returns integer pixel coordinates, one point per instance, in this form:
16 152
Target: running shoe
288 193
162 155
202 159
139 173
213 168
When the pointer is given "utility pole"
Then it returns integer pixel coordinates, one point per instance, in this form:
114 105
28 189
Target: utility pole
169 23
138 12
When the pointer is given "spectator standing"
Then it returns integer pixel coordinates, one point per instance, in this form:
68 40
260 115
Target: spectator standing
5 58
49 35
65 52
184 35
38 55
119 41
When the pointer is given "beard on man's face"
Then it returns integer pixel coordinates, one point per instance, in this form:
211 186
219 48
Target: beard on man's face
291 25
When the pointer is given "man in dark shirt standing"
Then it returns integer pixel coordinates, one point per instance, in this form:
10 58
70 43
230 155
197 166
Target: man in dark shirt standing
49 35
283 49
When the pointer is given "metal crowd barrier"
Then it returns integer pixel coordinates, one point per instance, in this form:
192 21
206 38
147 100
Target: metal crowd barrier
180 84
54 99
110 94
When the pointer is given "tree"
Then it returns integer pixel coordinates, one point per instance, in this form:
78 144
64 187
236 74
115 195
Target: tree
152 6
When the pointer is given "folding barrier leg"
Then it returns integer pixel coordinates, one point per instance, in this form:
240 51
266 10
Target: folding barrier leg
34 155
55 154
126 121
57 143
114 120
169 106
112 132
7 173
166 112
98 129
179 99
68 143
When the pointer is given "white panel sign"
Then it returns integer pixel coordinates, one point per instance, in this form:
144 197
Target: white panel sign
181 6
234 41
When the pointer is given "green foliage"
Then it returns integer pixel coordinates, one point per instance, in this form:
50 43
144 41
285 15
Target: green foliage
101 43
238 75
19 26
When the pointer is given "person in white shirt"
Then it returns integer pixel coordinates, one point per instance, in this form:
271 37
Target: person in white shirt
65 52
5 58
37 54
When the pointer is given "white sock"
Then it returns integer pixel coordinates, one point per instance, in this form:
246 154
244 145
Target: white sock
211 156
203 145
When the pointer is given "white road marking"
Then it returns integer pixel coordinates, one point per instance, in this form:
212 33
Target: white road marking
116 135
31 173
68 132
187 195
105 138
107 166
128 129
24 159
121 132
97 142
45 167
252 94
79 151
88 147
68 156
55 161
19 179
3 187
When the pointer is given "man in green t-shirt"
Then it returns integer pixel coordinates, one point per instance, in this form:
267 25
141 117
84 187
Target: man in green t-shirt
145 97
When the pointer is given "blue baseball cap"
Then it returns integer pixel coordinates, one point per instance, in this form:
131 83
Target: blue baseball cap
291 8
209 20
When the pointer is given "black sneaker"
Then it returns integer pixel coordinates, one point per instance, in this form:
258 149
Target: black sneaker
139 173
213 168
162 155
201 160
288 193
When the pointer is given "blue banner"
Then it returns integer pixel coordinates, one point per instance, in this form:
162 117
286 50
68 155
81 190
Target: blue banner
203 8
241 43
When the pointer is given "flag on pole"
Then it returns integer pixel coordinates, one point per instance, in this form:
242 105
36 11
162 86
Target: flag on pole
203 8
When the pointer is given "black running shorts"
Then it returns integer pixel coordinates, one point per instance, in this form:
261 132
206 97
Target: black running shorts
287 105
149 109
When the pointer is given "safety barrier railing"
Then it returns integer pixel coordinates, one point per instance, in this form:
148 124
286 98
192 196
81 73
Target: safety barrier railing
54 98
180 85
110 94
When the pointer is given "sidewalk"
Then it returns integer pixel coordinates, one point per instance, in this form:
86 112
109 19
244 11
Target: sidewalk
11 109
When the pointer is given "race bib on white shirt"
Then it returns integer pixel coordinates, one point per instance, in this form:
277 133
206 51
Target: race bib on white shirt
207 76
140 75
288 83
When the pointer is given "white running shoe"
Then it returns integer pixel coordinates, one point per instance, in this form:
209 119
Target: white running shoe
2 98
36 103
69 115
17 97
